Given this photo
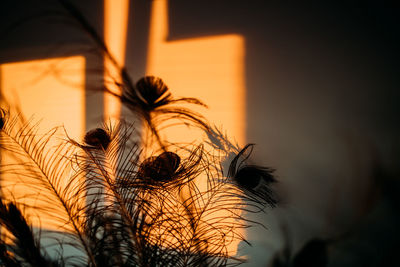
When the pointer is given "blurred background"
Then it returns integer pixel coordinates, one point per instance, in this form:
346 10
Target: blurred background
313 84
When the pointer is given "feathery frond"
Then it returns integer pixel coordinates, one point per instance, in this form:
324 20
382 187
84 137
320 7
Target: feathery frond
35 170
115 203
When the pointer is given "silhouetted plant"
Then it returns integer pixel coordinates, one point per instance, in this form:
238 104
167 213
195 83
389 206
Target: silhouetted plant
118 209
253 179
149 97
25 247
116 204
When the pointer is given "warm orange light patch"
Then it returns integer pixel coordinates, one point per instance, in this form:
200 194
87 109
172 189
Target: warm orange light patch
115 29
53 91
210 69
49 89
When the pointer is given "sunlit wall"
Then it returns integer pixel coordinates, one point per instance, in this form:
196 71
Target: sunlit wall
208 68
49 93
51 90
115 31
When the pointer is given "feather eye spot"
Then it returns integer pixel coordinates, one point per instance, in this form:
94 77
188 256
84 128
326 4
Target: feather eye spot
98 138
254 180
160 168
151 89
248 177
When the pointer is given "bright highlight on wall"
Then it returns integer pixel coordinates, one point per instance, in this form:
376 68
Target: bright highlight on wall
208 68
115 31
51 90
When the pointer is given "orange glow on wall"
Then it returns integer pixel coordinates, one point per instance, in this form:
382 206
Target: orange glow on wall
53 92
48 89
115 29
208 68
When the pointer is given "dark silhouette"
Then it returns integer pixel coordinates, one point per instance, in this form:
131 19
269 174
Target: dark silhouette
160 168
97 138
253 179
126 212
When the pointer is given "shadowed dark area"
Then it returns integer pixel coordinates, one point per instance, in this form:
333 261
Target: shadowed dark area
322 88
137 39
